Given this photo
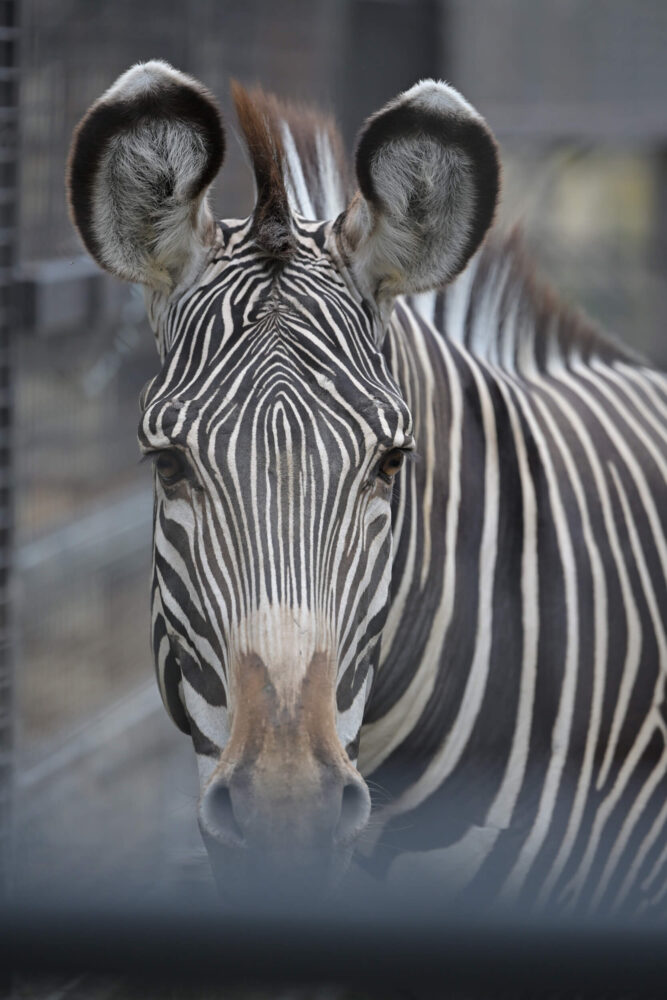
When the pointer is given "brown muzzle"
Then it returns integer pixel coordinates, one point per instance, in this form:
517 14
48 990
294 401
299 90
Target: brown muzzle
284 785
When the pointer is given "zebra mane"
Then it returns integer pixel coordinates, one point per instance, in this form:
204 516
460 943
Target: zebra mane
298 160
501 310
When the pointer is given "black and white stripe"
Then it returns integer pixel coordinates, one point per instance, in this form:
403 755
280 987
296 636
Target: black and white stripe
535 528
496 625
284 410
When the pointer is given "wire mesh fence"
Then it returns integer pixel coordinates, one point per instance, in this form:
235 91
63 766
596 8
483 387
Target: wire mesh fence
83 528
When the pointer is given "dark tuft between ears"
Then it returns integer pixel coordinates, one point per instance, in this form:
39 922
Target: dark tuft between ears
258 115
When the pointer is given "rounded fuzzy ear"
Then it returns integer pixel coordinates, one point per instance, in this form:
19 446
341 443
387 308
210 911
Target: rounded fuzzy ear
428 173
141 162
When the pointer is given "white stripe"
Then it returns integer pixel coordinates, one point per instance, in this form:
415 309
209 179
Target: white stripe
633 622
600 647
332 189
658 828
647 729
445 760
561 732
502 808
380 738
298 189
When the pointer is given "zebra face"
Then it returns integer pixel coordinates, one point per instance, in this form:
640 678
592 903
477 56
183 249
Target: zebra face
274 424
276 431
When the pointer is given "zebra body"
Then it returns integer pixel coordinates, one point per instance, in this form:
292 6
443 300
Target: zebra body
530 667
485 640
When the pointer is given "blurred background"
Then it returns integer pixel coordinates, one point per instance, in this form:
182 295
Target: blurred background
575 91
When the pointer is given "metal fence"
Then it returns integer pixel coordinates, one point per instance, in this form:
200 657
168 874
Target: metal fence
8 178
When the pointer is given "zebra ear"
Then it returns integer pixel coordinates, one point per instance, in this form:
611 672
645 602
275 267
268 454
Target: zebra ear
141 162
428 174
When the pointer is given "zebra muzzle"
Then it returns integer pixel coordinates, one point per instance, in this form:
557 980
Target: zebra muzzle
284 783
327 813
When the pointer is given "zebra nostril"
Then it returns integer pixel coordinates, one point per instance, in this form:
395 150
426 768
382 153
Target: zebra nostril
354 812
219 820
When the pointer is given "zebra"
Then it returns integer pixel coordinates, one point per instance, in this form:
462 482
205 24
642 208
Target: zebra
409 521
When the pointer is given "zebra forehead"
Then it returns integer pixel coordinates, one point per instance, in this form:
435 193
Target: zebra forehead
245 290
249 345
275 390
262 392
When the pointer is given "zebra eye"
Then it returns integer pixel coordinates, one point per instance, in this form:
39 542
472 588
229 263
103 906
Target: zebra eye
170 467
391 464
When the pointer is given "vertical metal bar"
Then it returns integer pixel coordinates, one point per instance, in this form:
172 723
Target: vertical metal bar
655 347
376 67
9 81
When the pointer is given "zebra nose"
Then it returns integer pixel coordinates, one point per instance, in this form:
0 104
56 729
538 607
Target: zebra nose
217 817
236 815
355 809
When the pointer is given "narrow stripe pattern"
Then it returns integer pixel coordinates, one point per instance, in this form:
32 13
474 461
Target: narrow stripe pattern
508 599
517 719
274 392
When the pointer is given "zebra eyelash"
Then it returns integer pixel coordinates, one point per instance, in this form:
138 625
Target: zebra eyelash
189 472
150 454
408 454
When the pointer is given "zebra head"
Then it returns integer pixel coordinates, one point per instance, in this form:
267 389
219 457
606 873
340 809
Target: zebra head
275 426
